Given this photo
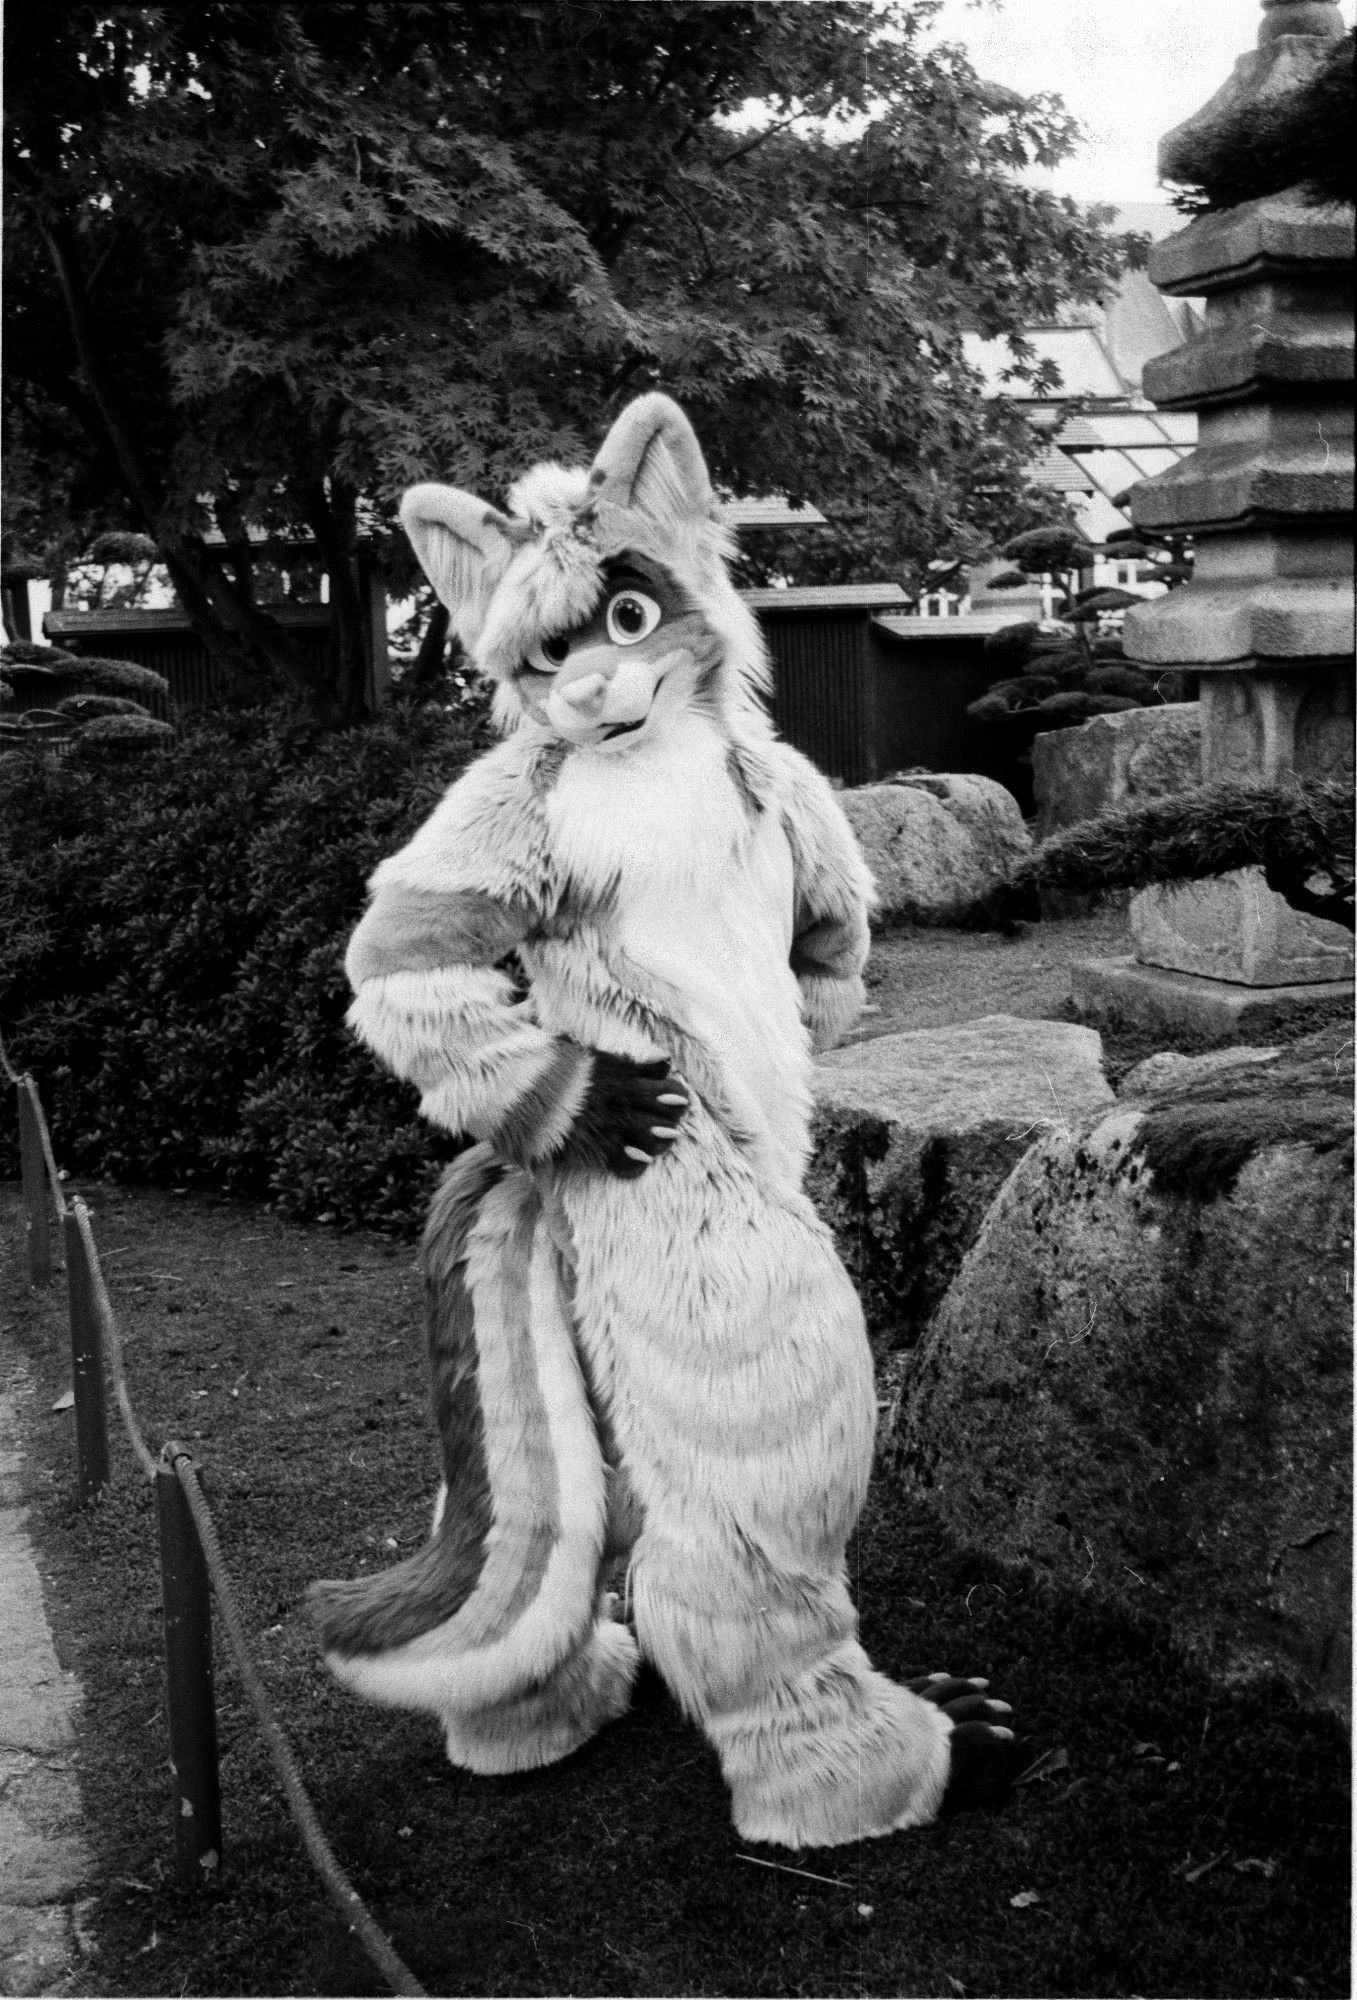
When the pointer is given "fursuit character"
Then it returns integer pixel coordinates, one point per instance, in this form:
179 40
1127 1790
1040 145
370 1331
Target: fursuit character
642 1341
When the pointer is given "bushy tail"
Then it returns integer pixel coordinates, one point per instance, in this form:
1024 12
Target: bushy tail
499 1624
373 1614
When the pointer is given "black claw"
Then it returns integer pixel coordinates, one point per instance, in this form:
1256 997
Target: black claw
978 1708
943 1688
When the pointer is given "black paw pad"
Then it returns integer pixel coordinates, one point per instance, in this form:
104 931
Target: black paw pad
630 1115
985 1761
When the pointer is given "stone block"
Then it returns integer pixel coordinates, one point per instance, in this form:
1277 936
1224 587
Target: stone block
1113 760
1277 232
1233 621
1164 1071
1107 990
1140 1382
1272 330
1234 927
935 842
1259 724
1222 484
916 1133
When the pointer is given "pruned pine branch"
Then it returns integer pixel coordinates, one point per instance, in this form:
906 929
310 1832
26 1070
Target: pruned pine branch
1300 834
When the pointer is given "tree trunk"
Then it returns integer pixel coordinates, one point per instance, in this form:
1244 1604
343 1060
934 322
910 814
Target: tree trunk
433 649
235 632
333 520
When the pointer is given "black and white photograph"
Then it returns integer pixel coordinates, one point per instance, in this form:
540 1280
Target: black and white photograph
677 998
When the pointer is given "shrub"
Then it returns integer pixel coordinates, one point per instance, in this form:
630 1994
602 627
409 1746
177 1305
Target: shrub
28 653
103 736
105 712
171 947
84 707
1060 673
123 677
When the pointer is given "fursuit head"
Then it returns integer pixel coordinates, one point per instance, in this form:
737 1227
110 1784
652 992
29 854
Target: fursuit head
607 958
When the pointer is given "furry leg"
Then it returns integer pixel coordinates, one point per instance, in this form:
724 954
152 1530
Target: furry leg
817 1747
728 1353
497 1625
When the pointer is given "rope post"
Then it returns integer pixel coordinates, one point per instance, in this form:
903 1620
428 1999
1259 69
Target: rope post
87 1362
34 1171
190 1695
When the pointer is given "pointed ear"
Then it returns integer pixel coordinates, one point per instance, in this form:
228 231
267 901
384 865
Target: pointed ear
651 461
463 546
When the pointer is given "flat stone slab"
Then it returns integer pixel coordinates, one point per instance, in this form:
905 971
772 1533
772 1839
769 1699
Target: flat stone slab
916 1133
1140 1382
1148 996
45 1862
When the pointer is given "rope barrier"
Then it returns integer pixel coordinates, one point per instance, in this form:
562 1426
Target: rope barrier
58 1192
357 1918
341 1891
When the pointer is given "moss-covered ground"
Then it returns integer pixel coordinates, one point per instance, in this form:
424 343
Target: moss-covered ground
1187 1842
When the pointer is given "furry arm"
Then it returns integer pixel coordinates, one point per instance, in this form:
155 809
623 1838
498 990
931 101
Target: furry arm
433 1001
834 893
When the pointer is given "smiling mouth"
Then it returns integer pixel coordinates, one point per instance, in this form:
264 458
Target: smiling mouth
630 728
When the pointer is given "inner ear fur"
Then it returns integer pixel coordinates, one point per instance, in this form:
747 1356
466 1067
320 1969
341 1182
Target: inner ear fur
463 545
651 462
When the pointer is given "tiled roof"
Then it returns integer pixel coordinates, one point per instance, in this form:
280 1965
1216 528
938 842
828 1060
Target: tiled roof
827 597
771 512
1051 468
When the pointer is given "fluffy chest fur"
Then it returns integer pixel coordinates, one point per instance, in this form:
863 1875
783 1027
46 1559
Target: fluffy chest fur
695 893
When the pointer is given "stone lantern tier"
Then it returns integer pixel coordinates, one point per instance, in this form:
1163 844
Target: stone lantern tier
1267 496
1267 620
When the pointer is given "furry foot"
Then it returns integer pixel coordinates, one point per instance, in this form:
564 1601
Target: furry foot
985 1754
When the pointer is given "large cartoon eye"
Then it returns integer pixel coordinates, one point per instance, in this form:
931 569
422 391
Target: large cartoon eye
548 654
632 616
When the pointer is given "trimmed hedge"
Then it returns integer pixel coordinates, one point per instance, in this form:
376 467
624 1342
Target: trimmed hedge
171 959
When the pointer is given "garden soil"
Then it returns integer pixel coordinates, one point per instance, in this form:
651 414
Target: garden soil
1180 1841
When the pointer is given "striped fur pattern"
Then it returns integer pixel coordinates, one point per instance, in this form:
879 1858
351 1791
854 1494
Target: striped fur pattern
500 1626
671 1367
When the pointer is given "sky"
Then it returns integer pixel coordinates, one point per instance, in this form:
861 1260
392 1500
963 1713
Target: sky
1129 72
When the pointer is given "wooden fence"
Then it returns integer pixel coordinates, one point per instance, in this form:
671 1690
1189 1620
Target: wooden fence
192 1569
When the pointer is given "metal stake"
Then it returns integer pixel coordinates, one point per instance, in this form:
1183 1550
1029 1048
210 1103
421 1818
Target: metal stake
191 1700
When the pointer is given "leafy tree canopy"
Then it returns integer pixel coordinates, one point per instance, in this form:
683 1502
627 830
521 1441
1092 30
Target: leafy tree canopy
286 260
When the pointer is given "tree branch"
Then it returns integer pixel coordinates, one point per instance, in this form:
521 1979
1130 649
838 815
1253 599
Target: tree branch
759 139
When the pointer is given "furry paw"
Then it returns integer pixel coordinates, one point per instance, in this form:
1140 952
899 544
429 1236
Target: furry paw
985 1753
630 1115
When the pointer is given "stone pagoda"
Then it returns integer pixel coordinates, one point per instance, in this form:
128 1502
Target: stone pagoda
1267 620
